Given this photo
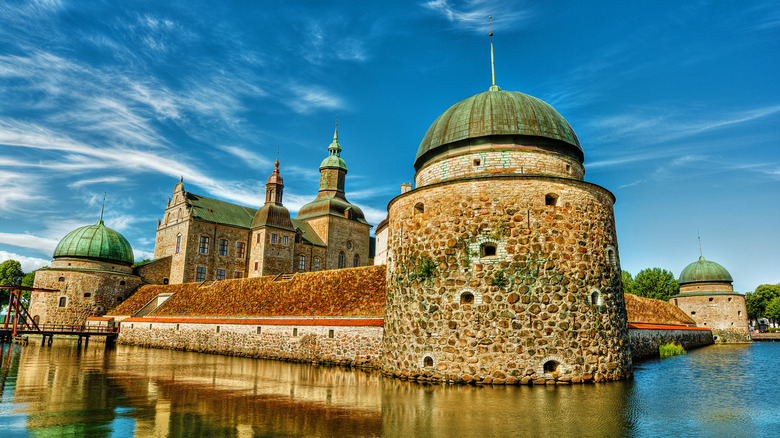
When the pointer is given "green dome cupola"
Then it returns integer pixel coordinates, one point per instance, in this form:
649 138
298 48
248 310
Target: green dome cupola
704 271
96 242
498 116
334 154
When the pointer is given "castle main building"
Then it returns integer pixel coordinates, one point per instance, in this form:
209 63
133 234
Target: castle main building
502 263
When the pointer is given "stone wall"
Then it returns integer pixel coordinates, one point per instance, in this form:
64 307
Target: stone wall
156 272
271 258
724 312
497 159
644 339
344 341
310 252
546 307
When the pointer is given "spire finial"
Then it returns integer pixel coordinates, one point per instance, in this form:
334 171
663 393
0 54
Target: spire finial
494 87
102 206
335 147
276 163
701 255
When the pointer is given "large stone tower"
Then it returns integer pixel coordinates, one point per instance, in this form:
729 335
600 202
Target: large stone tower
92 271
707 296
502 262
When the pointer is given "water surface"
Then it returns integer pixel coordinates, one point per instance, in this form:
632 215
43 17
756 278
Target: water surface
68 390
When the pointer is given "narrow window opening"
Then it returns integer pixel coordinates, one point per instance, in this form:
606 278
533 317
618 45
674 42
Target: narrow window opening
428 362
342 260
419 208
258 237
568 168
122 283
729 299
476 162
488 250
551 366
178 243
316 264
467 298
330 333
596 299
356 261
259 329
150 326
165 281
675 301
223 247
63 301
87 294
611 257
693 312
550 199
203 248
295 331
257 265
301 262
177 327
217 329
711 299
739 313
61 279
119 299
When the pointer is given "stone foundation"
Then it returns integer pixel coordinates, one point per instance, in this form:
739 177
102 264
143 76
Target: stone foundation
342 341
644 339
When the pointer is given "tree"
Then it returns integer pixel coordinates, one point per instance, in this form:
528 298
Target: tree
628 282
758 302
773 308
142 262
656 283
10 275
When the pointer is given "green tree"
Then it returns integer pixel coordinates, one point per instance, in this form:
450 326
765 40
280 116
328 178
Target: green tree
656 283
773 308
10 275
142 262
758 302
628 282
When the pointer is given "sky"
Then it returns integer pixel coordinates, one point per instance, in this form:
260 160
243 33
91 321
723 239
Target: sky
676 105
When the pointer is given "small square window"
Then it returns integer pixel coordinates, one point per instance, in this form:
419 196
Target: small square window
220 274
295 331
274 238
331 333
285 240
87 294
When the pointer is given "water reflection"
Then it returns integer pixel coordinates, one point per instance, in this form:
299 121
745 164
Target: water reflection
65 389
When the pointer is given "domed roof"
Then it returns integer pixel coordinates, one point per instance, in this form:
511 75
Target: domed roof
96 242
334 153
704 271
497 112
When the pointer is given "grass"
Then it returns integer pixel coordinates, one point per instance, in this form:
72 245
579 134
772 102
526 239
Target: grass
671 349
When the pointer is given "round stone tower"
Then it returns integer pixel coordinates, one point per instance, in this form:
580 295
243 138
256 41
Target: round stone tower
706 294
502 263
92 272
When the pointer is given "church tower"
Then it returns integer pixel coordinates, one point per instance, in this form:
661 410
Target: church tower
340 224
272 239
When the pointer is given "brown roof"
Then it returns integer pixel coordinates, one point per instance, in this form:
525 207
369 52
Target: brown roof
342 292
144 294
650 311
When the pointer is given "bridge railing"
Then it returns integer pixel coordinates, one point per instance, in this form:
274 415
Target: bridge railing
77 328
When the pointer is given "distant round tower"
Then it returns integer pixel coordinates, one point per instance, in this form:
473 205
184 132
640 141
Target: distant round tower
707 296
502 262
92 271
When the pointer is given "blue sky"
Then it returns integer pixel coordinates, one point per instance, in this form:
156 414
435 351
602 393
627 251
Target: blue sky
677 106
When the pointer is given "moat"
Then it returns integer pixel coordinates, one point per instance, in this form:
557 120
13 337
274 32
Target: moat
67 390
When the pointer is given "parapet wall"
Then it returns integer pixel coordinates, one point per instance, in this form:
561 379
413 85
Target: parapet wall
343 341
644 339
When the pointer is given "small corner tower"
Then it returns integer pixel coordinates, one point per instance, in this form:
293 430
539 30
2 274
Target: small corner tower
707 296
92 271
273 234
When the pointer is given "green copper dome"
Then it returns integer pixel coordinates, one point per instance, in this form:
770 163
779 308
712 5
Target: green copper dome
333 161
704 271
497 113
96 242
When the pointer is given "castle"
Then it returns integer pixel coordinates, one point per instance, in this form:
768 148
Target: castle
202 239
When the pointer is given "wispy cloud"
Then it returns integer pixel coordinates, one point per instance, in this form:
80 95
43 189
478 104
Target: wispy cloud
308 98
29 264
102 180
43 244
472 15
252 159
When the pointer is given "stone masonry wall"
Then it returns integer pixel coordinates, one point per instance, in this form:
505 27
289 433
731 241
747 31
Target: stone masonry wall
644 342
491 159
341 231
725 314
547 308
156 272
349 345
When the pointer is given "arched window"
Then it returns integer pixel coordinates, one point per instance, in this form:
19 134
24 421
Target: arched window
488 249
419 208
596 299
550 199
178 243
63 302
612 257
61 279
428 362
37 319
467 298
342 260
551 366
301 262
356 261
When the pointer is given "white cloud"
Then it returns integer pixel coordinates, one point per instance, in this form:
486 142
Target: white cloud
252 159
41 244
472 15
102 180
29 264
311 97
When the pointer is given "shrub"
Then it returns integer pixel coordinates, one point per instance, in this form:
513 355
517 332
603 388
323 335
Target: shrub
671 349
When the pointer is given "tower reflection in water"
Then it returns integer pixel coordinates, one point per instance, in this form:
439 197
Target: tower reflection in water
66 389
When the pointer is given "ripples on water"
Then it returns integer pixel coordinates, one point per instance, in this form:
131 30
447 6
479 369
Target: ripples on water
67 390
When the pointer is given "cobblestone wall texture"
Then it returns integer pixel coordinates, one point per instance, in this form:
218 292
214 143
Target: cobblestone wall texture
725 314
354 346
547 307
644 342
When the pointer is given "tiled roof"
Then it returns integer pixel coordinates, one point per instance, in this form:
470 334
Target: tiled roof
650 311
342 292
221 212
307 233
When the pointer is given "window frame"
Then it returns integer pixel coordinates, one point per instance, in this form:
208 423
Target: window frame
200 273
178 243
220 274
223 247
203 245
240 249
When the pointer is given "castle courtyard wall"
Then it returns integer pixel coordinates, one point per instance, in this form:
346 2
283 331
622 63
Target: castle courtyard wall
343 341
645 339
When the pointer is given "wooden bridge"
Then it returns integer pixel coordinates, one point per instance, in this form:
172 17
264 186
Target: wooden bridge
18 322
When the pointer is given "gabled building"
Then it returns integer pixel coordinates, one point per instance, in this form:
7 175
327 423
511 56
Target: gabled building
208 239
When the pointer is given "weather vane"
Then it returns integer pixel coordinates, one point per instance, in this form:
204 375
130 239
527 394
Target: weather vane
492 63
102 206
